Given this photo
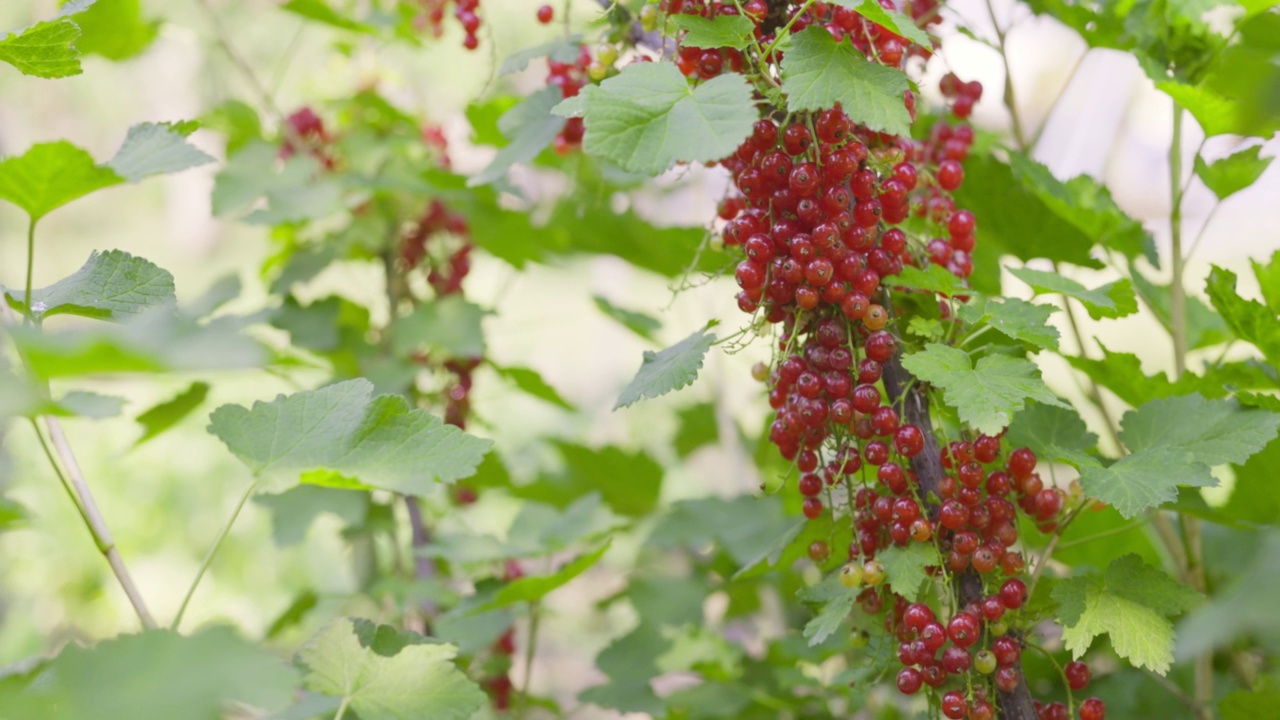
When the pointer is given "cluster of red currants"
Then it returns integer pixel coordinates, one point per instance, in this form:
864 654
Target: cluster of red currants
431 16
306 133
570 78
823 216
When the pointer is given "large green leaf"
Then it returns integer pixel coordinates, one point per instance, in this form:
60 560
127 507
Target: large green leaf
818 72
717 31
50 175
647 118
293 192
1130 603
109 286
386 674
530 127
154 674
589 470
343 436
448 326
1017 319
667 370
986 395
1055 433
45 49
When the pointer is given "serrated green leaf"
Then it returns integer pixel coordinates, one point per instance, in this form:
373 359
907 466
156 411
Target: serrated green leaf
1175 441
1129 602
818 72
448 326
155 149
1122 374
828 619
115 29
386 674
531 383
50 175
1269 280
157 668
1014 318
732 31
342 436
986 395
891 20
530 128
934 278
1056 433
1233 173
1216 113
1249 320
45 49
904 567
533 588
667 370
643 325
165 415
1113 300
562 49
927 328
109 286
647 117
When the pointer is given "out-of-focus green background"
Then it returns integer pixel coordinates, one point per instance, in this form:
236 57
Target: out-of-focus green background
167 499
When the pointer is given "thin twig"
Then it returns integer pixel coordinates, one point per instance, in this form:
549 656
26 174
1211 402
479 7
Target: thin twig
208 558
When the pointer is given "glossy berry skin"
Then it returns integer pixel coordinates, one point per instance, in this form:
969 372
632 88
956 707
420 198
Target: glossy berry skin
917 615
546 14
909 681
1013 593
1007 678
1007 651
1078 675
908 441
954 705
964 629
1055 711
1092 709
984 661
956 660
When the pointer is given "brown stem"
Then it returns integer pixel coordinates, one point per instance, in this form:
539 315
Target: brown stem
912 402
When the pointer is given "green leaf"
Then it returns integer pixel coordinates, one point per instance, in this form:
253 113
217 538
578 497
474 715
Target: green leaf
1113 300
834 612
1017 319
533 588
697 428
1249 320
1175 441
531 383
986 395
731 31
386 674
1253 497
50 175
108 286
293 615
44 49
630 662
1245 705
1015 218
1129 602
1216 113
647 118
12 514
342 436
156 149
643 325
1245 608
530 127
904 567
667 370
449 326
1085 204
1233 173
293 192
115 29
151 342
293 511
589 470
934 278
150 675
165 415
88 404
818 72
1056 433
892 20
562 49
1269 280
235 119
